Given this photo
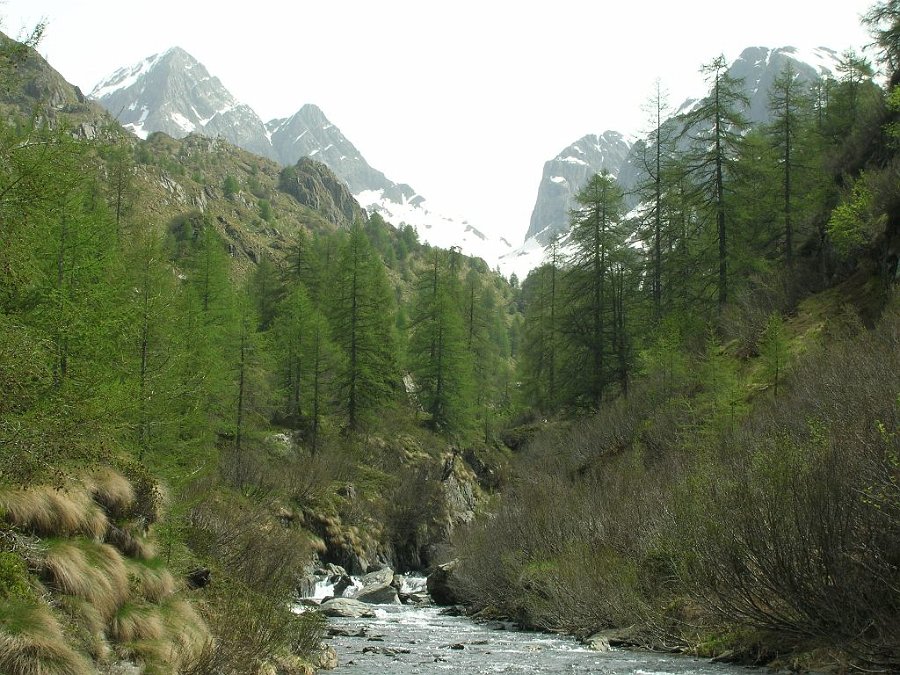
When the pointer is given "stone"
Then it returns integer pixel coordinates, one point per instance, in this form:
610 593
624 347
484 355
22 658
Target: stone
347 608
387 651
199 578
597 643
342 584
380 577
332 570
439 584
380 594
337 631
326 659
378 589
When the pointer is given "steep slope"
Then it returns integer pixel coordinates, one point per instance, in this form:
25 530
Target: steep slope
564 176
314 185
174 93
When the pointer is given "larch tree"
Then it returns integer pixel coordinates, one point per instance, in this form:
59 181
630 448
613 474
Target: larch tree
713 132
363 321
437 349
596 233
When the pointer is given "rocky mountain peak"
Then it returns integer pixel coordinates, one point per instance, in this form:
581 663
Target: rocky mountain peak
566 174
174 93
757 67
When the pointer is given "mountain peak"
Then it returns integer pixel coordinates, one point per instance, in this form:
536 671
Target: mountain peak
566 174
174 93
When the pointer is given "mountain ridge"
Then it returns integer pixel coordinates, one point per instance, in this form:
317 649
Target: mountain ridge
757 66
174 93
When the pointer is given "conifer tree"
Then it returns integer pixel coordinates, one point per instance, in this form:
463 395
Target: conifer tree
595 235
363 321
437 347
713 130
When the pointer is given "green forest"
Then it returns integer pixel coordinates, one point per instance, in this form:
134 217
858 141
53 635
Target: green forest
682 431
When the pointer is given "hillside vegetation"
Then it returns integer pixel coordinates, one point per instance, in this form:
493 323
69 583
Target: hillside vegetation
216 372
722 477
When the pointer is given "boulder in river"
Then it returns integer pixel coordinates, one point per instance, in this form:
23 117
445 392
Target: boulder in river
379 595
439 587
347 608
597 642
378 588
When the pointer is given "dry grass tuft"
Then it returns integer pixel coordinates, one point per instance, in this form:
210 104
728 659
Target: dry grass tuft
131 544
181 644
87 624
93 572
50 512
32 643
134 622
189 631
152 583
112 491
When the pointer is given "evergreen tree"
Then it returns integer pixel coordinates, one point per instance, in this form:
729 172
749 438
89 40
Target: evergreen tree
147 311
595 235
541 353
786 104
774 351
305 361
363 321
713 130
438 347
657 152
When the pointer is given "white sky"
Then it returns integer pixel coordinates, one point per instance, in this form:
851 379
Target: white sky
463 100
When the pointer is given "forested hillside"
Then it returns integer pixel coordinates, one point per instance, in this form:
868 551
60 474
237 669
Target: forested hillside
680 432
711 461
214 371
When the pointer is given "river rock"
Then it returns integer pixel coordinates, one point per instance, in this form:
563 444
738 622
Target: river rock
379 595
414 599
387 651
378 588
326 659
380 577
342 584
439 587
337 631
347 608
597 643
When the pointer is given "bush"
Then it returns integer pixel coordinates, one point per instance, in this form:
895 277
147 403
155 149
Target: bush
794 527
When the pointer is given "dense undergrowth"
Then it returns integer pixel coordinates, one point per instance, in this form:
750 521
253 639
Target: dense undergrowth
710 514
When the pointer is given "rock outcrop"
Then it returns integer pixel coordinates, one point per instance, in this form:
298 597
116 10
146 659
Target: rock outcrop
314 185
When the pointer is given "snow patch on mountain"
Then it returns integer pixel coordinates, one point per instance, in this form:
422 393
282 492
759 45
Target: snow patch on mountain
433 227
124 78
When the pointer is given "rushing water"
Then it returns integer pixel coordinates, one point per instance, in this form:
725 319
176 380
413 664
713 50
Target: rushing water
406 639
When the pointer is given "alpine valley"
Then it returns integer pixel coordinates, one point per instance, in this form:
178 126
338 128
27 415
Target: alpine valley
172 92
263 412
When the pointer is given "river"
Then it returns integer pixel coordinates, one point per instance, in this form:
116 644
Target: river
407 639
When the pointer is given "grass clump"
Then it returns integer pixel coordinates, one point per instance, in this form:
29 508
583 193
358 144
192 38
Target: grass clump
49 512
93 572
32 642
